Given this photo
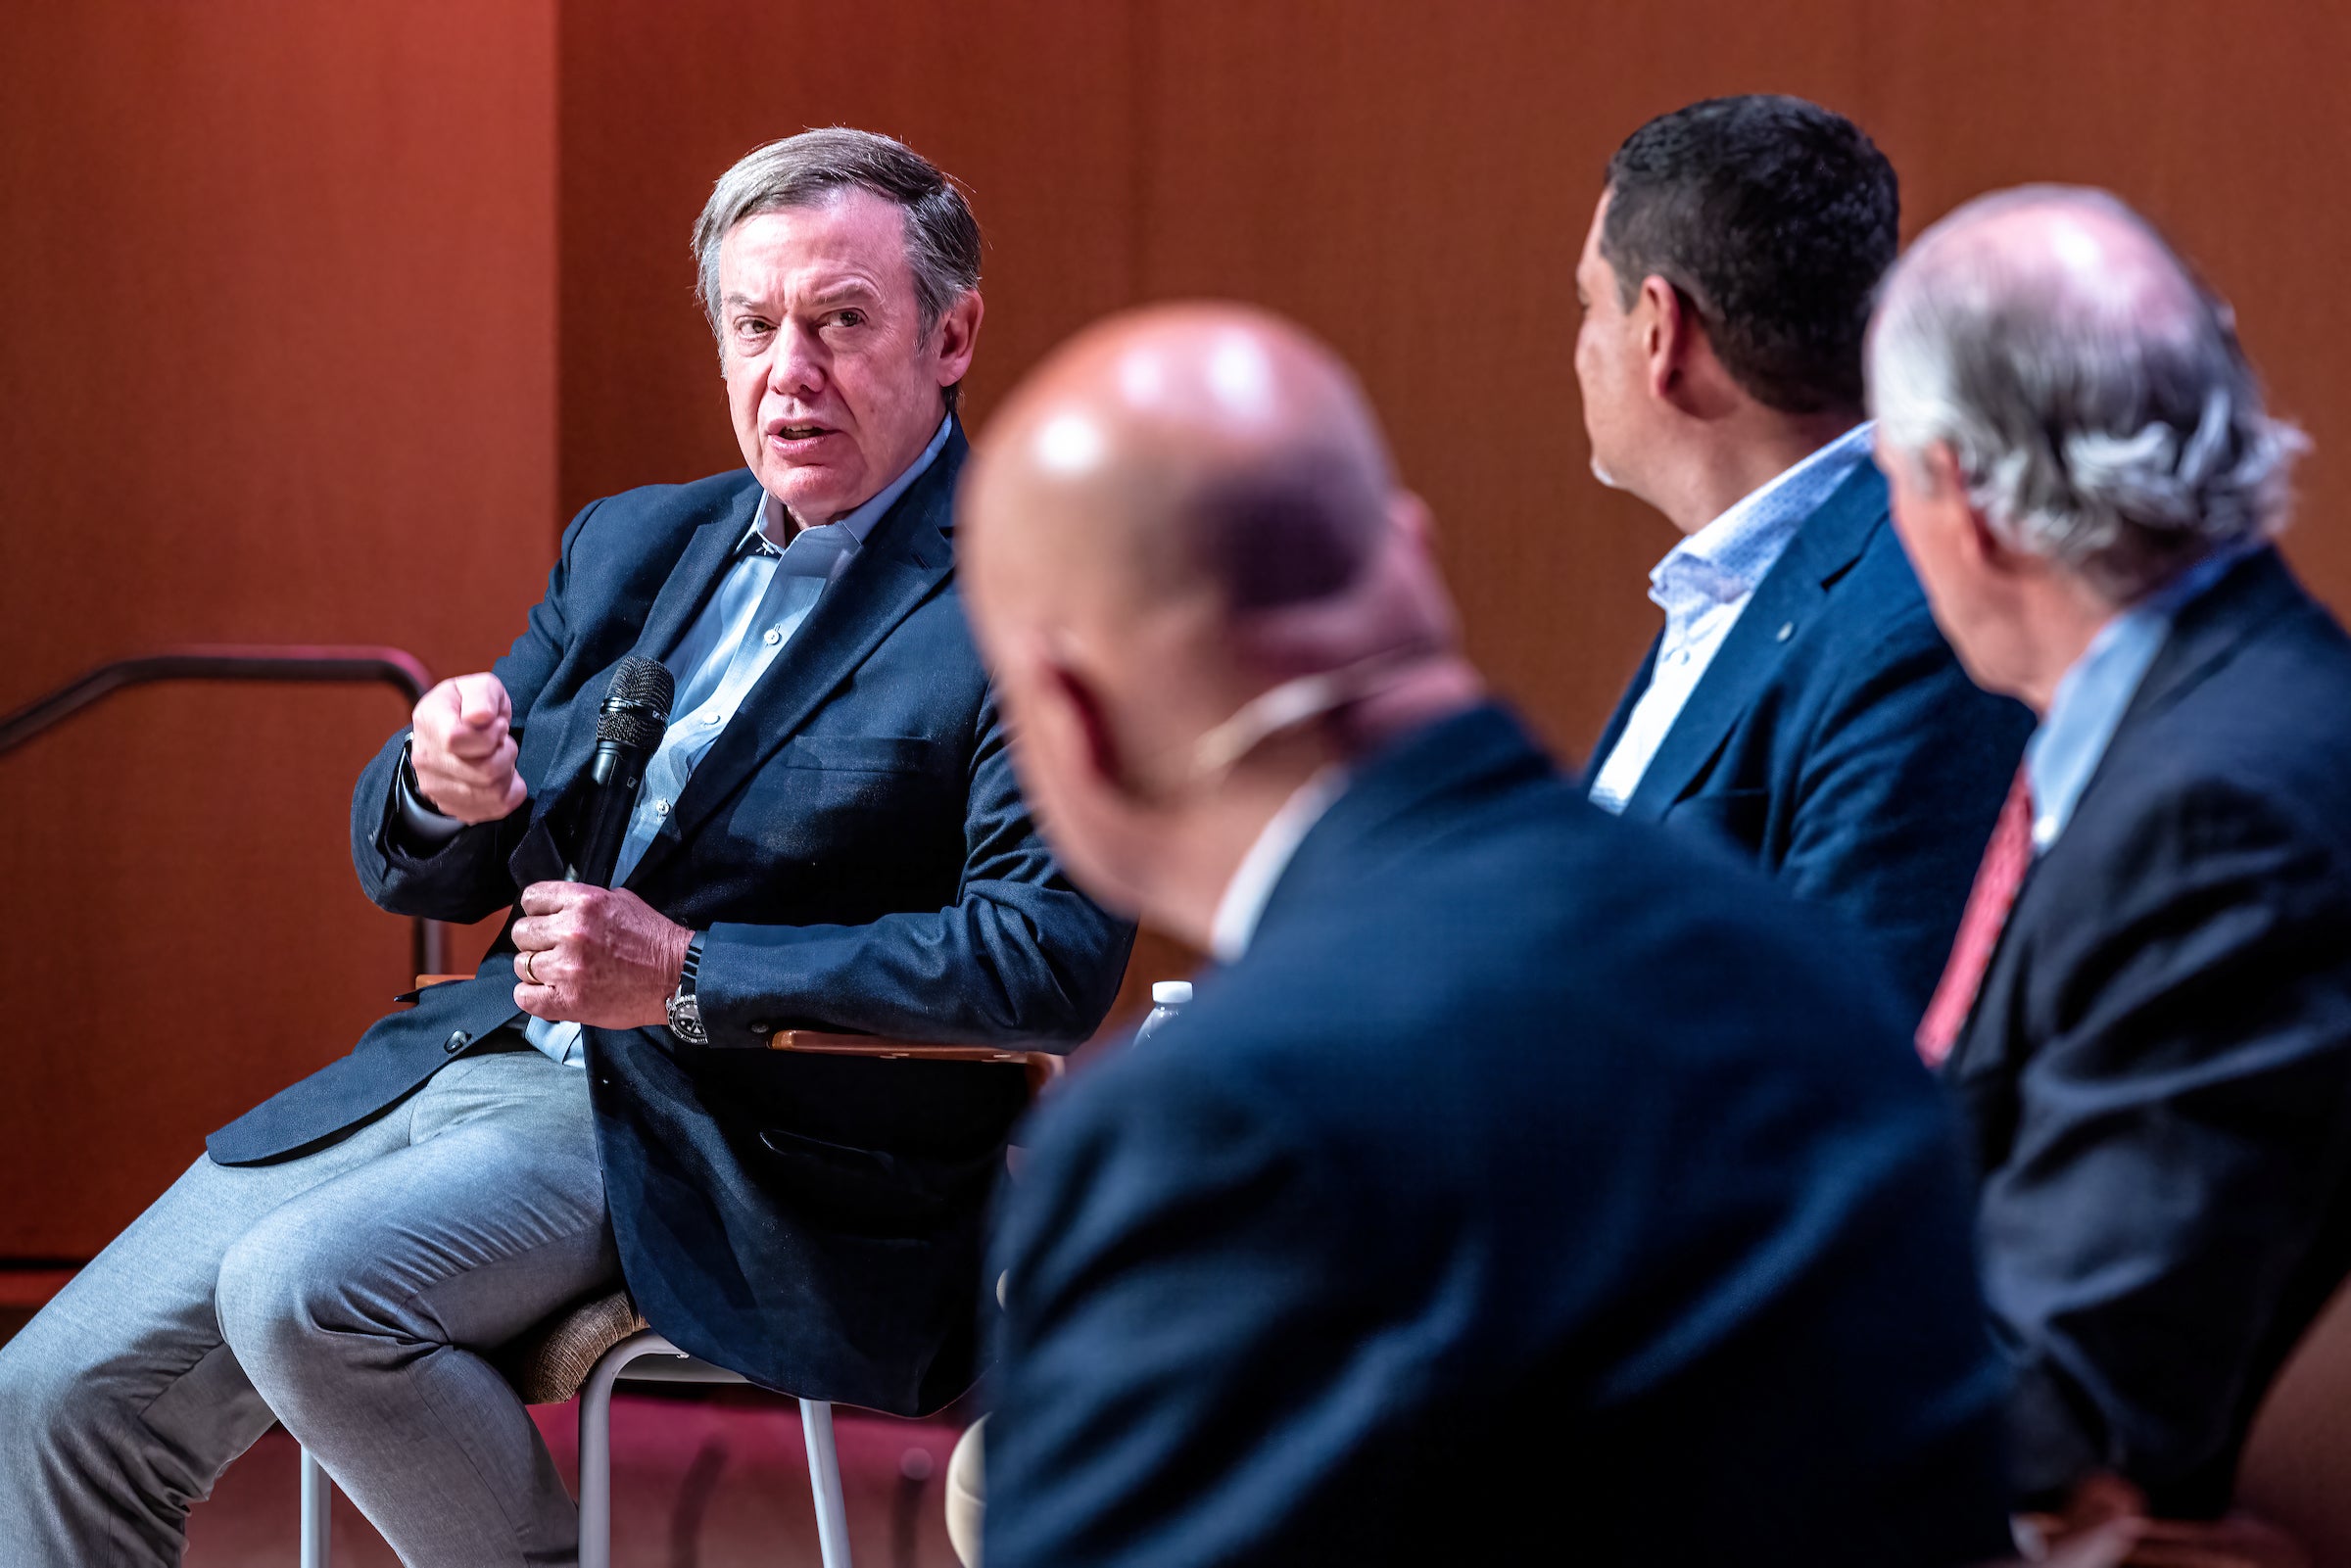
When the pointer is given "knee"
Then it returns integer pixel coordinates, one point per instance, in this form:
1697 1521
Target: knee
291 1284
259 1295
281 1287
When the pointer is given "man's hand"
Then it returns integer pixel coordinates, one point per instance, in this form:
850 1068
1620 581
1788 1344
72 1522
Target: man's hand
463 748
595 955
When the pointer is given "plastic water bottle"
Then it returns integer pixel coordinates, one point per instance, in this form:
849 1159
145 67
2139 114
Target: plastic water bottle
1167 998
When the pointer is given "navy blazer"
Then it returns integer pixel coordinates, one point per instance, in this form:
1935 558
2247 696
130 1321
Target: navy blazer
1532 1189
2157 1071
858 852
1836 741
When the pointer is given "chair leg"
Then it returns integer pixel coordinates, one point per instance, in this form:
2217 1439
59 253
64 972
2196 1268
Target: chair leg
824 1476
596 1442
318 1513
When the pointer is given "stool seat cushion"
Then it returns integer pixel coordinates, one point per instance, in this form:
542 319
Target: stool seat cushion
548 1362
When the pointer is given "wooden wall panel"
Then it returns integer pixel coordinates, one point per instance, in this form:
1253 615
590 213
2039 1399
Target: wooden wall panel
1418 191
279 367
325 315
1026 105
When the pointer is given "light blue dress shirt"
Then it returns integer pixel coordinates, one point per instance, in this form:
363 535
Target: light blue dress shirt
758 605
1704 585
2093 694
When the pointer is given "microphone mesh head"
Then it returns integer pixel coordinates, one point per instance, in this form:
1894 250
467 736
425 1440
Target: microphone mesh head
636 707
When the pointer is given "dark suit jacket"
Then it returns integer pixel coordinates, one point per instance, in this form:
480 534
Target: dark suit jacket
1534 1189
2157 1071
1836 741
858 852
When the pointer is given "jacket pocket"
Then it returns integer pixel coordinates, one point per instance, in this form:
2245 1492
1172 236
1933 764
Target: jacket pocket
858 753
873 1192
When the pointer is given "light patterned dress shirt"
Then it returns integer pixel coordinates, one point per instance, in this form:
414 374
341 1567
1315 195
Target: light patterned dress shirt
1704 583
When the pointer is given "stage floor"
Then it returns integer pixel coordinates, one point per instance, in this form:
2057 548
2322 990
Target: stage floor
714 1481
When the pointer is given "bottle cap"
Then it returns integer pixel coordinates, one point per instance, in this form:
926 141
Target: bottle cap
1171 993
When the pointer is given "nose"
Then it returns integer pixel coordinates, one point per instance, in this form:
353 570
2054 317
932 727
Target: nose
798 367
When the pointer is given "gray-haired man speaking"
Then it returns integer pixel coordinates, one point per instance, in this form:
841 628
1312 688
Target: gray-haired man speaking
829 833
2147 1013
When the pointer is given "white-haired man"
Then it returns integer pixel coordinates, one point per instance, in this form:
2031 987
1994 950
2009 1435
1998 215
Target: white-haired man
2147 1013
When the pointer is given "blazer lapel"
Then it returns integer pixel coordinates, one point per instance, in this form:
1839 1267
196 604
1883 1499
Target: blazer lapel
908 554
1613 731
682 594
1785 603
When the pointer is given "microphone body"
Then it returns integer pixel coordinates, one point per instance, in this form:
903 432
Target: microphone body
628 730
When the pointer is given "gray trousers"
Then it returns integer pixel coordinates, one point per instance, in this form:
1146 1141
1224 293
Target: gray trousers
347 1294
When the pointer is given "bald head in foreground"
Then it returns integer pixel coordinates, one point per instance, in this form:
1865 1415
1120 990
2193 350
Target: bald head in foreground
2155 1058
1518 1184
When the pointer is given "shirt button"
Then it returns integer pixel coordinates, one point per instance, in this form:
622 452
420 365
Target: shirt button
660 808
712 717
775 635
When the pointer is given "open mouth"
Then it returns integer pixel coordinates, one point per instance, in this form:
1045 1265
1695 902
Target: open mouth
794 432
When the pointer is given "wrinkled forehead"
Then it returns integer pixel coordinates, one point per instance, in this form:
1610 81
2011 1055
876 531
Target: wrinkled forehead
845 236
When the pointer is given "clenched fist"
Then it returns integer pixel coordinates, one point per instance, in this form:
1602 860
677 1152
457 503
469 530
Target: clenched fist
463 748
595 955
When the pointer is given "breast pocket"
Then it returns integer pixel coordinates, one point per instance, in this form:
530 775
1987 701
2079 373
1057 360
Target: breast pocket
864 823
865 753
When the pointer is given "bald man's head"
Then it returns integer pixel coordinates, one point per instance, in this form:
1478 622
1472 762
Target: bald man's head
2090 386
1179 452
1182 509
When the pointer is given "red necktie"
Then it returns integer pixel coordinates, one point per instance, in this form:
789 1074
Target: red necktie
1997 878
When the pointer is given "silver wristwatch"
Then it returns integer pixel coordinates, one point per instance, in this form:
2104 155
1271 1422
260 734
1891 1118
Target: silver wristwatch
684 1012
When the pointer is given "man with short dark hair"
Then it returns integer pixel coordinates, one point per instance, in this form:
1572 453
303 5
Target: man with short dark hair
2147 1014
828 834
1798 703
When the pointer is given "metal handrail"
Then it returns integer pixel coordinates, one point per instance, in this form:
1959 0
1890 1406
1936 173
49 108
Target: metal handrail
285 662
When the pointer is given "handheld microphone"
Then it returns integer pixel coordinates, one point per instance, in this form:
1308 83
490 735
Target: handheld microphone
628 729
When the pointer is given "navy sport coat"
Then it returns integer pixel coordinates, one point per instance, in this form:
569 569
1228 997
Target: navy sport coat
856 850
1537 1187
2157 1071
1836 741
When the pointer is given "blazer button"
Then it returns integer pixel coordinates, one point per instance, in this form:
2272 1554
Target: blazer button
458 1041
761 1026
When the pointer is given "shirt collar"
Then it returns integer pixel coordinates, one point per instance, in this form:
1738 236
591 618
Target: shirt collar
1260 871
2095 691
1729 557
770 519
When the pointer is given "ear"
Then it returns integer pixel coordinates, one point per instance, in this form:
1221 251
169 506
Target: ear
958 334
1666 332
1946 490
1088 717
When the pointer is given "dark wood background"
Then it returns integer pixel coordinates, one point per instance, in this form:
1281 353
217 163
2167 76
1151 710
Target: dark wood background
322 319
